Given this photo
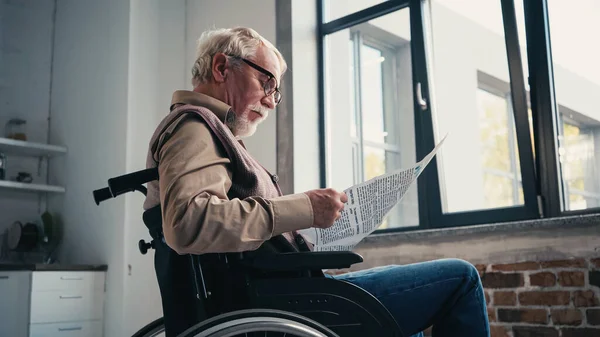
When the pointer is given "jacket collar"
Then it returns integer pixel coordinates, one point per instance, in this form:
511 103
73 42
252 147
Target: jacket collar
221 109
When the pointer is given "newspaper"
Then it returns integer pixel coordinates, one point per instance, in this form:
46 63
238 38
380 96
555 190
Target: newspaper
367 206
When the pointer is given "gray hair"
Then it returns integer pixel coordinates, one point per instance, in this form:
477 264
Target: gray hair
240 41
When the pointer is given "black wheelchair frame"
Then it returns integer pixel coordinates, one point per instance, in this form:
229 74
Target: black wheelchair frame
290 282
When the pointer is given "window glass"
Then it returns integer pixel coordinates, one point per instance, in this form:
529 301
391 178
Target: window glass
369 107
372 94
501 177
472 103
577 88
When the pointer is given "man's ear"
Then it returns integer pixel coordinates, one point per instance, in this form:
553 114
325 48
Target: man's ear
219 67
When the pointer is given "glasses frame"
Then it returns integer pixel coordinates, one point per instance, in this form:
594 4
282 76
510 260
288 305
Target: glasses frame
278 96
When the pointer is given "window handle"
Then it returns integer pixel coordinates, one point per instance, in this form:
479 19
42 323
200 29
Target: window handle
420 99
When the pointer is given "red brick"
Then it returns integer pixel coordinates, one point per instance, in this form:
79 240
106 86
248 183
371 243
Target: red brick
534 331
544 298
593 316
580 332
505 298
566 317
481 268
502 280
571 278
516 266
498 331
537 316
585 298
595 262
487 297
572 263
543 279
491 314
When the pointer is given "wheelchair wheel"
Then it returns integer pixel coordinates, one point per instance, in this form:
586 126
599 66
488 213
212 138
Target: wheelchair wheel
152 329
258 322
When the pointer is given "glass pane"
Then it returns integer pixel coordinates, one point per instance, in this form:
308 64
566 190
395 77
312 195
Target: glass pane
479 164
351 79
577 88
493 130
381 106
335 9
374 162
372 94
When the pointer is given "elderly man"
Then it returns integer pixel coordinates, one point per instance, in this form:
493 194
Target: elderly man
217 198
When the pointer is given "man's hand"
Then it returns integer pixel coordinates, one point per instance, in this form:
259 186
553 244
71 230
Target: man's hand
327 204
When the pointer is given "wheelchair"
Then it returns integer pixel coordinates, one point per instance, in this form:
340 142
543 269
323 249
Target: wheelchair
273 291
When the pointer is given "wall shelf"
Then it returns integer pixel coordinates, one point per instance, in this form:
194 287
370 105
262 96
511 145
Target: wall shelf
22 148
14 185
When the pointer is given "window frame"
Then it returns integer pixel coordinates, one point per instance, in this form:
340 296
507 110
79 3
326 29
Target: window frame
540 176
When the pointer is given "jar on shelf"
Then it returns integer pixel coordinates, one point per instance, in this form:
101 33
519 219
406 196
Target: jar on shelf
16 129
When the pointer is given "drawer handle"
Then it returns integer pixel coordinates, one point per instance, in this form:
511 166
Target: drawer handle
4 277
71 278
70 329
70 297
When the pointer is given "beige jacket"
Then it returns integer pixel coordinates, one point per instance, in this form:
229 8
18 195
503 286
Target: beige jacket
194 179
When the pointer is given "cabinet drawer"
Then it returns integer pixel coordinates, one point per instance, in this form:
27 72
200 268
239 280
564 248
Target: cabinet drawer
66 306
75 329
67 280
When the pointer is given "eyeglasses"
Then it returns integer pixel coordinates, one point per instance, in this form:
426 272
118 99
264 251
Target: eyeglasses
270 86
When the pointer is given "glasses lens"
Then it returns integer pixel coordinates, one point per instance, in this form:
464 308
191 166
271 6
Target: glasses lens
277 97
270 86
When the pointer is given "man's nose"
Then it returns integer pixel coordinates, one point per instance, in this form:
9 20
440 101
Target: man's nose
268 102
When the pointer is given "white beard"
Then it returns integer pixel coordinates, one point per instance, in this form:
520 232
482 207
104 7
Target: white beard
242 127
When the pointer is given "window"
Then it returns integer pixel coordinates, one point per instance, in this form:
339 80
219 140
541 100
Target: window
335 9
369 109
499 162
399 75
579 164
576 76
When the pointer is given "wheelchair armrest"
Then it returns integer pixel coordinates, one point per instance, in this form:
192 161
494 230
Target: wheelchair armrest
303 261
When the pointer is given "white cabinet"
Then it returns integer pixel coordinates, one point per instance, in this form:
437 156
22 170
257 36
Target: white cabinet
15 289
52 303
76 329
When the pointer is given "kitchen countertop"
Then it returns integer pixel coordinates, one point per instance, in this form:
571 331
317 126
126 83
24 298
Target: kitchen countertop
51 267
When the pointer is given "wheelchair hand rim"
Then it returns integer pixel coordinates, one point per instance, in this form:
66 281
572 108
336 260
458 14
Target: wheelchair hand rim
260 324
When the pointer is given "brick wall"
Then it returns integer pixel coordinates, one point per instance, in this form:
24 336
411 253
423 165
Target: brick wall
559 298
555 298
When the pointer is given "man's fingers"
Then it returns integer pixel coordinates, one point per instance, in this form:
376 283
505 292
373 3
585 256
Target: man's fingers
343 197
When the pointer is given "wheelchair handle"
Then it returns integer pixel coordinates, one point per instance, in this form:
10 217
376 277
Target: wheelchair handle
101 195
104 194
132 181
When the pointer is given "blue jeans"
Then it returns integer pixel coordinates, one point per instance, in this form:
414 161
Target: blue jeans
445 293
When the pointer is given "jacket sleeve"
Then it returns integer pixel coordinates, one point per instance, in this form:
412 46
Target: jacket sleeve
198 217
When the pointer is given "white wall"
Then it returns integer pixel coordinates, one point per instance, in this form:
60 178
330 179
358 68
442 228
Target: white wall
25 57
89 116
306 96
156 54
